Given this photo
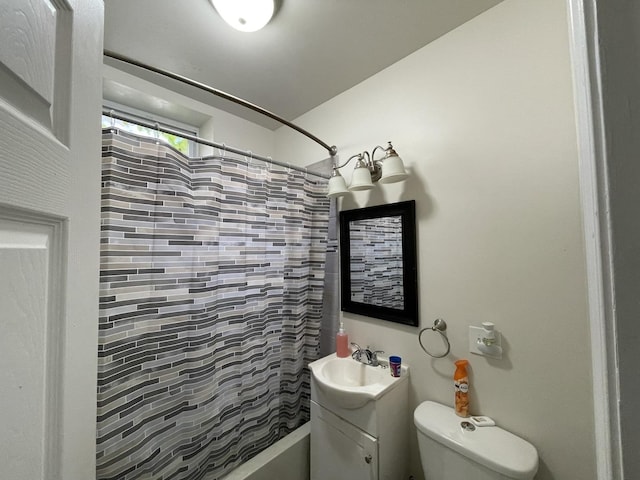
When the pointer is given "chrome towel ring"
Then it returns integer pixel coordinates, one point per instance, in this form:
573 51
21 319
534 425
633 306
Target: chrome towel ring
439 326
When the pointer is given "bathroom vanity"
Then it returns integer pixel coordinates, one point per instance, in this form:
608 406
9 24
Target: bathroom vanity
359 421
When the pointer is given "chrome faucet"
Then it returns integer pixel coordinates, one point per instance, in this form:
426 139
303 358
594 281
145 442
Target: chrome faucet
357 354
370 356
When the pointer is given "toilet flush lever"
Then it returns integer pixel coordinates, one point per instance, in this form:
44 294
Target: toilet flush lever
468 426
368 458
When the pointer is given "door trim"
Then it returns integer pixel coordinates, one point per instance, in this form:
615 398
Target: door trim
590 125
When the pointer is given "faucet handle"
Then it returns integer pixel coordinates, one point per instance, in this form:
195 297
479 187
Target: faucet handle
374 357
357 353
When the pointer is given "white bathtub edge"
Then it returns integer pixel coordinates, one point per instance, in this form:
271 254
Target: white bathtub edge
274 458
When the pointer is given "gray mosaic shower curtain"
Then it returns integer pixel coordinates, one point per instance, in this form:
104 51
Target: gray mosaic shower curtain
211 297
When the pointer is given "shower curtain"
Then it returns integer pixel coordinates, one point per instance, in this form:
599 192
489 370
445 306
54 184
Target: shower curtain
211 297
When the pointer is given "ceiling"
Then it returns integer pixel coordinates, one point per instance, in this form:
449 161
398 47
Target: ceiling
311 51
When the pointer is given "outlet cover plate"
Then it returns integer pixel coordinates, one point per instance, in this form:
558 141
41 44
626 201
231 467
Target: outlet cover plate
476 333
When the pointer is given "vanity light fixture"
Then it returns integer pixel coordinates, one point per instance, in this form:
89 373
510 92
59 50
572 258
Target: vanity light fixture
388 169
245 15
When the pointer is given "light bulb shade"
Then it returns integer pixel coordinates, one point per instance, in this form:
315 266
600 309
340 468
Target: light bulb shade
361 179
245 15
337 187
393 170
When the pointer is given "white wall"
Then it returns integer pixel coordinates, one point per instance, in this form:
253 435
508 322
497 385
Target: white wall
483 117
234 131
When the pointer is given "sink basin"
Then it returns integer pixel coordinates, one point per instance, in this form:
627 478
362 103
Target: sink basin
351 384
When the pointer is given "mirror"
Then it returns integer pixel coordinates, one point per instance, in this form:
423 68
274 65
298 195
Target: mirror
378 262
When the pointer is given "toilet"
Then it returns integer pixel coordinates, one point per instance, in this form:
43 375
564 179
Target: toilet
449 451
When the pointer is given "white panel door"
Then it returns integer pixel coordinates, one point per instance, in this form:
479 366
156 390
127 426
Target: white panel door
50 95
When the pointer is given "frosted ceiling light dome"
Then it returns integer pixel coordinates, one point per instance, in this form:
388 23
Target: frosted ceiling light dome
245 15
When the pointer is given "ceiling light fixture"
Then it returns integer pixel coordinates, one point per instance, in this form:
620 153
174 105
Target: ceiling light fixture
368 170
245 15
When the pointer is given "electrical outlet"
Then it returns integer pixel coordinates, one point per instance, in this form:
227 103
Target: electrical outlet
475 337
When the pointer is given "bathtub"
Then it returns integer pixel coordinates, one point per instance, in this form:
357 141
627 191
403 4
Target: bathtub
287 459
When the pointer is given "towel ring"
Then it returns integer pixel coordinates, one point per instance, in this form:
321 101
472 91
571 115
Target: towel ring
439 326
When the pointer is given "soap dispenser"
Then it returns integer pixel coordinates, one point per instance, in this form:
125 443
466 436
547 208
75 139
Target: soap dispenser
342 343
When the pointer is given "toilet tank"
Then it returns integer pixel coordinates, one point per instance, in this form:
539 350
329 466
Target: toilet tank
449 452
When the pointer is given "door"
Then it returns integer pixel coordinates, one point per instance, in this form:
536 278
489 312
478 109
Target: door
340 450
50 94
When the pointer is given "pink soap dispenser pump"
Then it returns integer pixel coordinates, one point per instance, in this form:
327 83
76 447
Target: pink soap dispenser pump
342 343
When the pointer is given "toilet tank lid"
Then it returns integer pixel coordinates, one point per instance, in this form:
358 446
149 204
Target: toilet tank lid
493 447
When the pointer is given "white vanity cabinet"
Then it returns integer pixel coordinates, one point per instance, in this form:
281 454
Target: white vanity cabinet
369 442
340 449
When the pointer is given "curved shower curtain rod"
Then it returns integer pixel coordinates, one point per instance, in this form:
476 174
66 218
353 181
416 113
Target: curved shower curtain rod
219 93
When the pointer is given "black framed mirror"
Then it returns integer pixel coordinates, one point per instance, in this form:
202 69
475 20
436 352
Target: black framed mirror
378 262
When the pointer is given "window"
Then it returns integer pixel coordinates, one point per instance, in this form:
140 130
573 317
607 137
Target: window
181 144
